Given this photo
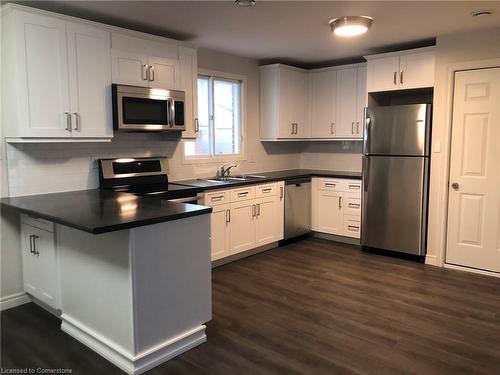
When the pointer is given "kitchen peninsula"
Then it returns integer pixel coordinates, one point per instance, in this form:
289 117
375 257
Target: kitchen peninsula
125 273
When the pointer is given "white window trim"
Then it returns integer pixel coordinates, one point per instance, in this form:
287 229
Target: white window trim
243 129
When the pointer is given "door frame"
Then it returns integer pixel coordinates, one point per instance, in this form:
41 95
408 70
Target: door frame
439 201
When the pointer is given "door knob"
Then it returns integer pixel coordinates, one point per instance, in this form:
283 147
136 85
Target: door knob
455 186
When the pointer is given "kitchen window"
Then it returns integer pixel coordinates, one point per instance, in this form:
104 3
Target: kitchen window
220 119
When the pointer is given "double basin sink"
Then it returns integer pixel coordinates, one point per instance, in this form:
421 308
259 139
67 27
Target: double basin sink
232 179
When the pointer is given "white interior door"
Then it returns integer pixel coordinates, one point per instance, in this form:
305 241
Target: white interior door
89 60
474 199
45 94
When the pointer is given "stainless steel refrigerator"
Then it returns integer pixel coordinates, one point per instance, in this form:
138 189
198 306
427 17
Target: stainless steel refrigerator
395 177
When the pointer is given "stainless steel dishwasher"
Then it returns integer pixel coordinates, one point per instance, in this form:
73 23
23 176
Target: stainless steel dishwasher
297 207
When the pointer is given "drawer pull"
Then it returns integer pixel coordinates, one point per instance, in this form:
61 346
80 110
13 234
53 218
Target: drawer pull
354 205
244 194
268 190
355 187
217 198
353 228
330 184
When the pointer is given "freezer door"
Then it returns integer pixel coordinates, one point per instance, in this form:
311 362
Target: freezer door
398 130
394 203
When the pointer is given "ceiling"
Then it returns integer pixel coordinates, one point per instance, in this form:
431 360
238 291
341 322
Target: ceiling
287 31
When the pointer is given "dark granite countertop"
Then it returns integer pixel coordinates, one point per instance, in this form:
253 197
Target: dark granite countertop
100 211
270 177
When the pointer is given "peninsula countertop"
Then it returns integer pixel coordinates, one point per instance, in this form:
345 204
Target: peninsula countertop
100 211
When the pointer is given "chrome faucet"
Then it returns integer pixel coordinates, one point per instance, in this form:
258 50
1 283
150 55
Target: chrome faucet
225 169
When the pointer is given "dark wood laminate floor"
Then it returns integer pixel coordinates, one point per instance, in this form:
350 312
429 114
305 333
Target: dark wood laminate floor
312 307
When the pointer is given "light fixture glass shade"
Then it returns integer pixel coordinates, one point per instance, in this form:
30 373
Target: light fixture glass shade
351 25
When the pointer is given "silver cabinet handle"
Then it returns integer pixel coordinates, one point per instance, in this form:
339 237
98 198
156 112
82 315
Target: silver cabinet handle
228 216
172 112
68 121
196 125
281 192
352 127
354 187
401 77
353 205
31 243
296 128
329 184
293 128
395 79
217 198
258 209
77 121
244 194
145 72
151 72
353 228
332 128
340 202
35 251
357 127
267 190
253 210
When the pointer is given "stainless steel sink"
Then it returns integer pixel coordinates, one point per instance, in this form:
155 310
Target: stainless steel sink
229 179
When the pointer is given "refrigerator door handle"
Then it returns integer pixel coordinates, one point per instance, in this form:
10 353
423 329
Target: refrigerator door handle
366 173
366 138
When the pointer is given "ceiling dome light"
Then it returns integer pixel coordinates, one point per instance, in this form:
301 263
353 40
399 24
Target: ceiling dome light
245 3
351 25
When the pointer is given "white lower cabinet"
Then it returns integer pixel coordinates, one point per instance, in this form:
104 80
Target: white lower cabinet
245 218
40 272
336 206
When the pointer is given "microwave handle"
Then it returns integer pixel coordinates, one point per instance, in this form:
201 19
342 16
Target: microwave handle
172 112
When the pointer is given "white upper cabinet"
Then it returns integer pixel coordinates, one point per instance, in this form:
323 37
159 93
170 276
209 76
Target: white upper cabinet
57 75
283 102
323 103
401 70
89 61
142 62
189 83
338 98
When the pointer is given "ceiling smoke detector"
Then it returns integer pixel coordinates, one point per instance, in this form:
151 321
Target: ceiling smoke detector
480 13
244 3
351 25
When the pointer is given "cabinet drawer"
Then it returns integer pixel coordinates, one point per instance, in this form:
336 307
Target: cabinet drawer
331 184
214 198
352 226
244 193
37 223
352 206
353 186
266 190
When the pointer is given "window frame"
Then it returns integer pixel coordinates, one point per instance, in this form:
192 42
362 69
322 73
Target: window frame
202 159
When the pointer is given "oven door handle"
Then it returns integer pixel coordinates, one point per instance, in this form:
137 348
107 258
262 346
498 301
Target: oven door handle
183 200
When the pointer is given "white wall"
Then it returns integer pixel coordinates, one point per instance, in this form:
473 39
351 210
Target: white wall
342 156
450 51
45 168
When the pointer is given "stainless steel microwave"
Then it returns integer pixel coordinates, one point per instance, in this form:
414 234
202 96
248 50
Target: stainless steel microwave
145 109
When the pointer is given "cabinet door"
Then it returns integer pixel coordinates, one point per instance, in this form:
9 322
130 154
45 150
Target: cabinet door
292 104
89 61
323 102
43 72
329 212
241 229
220 219
383 74
40 265
189 83
417 70
129 68
266 218
164 73
361 103
345 125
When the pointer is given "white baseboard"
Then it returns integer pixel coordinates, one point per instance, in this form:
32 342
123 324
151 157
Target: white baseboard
473 270
125 360
14 300
431 260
